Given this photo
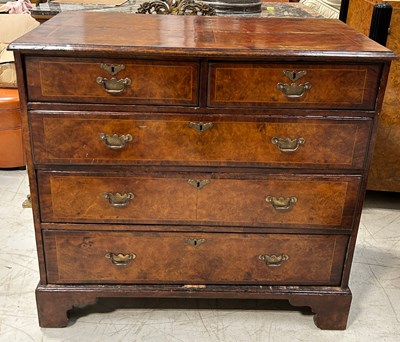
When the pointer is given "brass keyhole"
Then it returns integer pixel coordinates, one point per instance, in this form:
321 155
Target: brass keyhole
201 127
112 69
198 184
294 75
195 242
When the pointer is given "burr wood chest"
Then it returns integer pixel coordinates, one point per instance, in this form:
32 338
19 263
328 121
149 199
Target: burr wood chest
197 157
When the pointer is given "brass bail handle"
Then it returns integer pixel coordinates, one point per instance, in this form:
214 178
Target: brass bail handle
113 86
273 260
115 141
118 200
293 90
287 144
282 203
120 259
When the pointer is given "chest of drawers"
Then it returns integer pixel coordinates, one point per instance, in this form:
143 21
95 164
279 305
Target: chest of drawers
197 157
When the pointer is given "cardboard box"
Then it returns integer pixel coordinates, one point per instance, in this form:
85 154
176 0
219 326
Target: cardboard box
12 26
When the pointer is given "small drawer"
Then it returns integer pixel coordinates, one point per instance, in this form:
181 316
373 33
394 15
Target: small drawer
299 201
344 86
182 258
112 81
144 139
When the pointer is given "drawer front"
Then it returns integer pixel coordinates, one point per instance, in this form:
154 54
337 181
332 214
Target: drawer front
293 85
209 199
127 257
74 138
112 81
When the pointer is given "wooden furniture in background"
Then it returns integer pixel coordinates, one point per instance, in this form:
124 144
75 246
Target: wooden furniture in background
12 154
198 157
385 168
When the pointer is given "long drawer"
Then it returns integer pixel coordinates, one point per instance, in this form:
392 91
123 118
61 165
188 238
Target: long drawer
128 257
313 201
112 81
104 139
293 85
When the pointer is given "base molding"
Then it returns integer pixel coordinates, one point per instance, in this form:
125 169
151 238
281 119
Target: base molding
330 305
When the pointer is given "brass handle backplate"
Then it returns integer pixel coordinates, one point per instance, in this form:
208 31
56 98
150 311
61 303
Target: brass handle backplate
115 141
273 260
113 86
120 259
287 144
293 89
117 199
200 126
282 203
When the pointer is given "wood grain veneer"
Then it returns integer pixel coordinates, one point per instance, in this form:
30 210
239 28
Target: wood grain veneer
81 257
75 138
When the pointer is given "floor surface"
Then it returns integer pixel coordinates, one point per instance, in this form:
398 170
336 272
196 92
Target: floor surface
375 283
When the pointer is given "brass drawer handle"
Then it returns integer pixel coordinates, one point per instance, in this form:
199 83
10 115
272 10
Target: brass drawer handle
200 126
113 86
115 141
198 184
273 260
120 259
294 90
117 199
282 203
287 144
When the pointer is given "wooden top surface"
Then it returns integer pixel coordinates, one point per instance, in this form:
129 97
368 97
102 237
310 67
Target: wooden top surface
125 34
